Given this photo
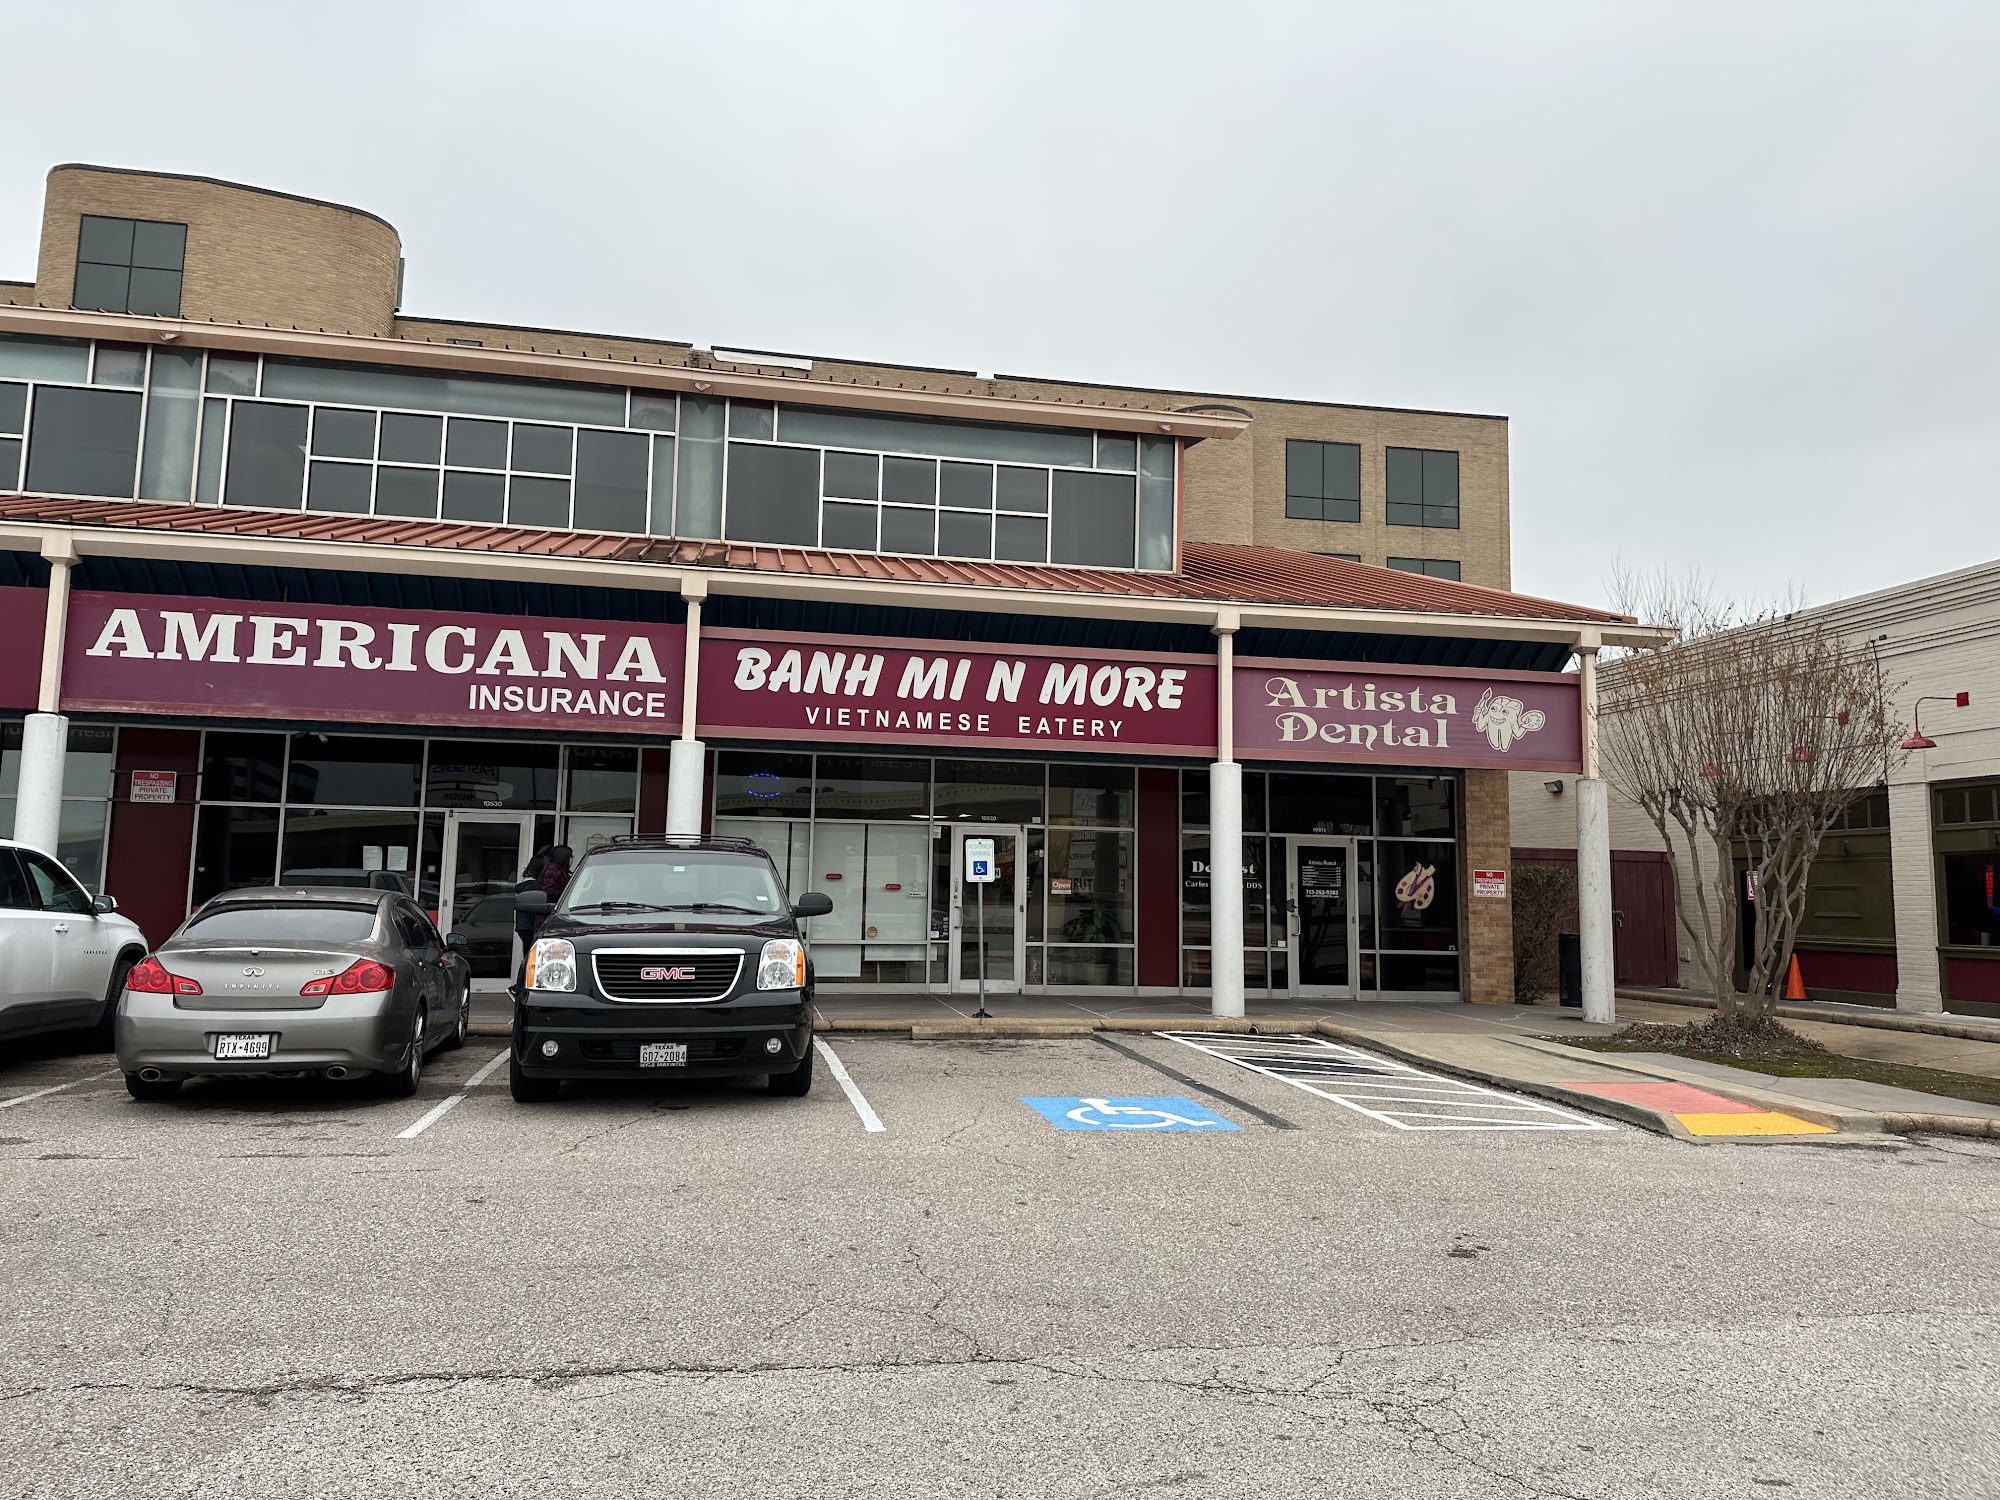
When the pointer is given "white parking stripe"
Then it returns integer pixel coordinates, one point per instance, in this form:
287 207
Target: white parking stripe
54 1088
1382 1088
870 1121
438 1111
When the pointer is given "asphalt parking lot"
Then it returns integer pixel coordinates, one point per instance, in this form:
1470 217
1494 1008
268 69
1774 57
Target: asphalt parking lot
1175 1273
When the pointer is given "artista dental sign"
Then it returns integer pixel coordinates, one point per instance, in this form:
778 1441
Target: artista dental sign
247 659
1408 716
948 693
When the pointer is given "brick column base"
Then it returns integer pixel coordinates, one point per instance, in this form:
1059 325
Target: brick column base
1489 921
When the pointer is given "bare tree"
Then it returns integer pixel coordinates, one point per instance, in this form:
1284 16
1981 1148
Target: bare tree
1745 738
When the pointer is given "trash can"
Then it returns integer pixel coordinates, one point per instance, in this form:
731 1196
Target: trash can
1569 967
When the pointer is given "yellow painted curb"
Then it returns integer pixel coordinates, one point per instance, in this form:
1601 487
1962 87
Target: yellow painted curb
1759 1122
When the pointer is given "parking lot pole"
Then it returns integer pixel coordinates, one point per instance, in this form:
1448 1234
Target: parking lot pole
1596 926
687 756
1225 834
982 951
45 733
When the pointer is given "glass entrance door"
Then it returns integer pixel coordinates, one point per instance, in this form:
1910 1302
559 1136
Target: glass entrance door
1004 903
483 857
1320 924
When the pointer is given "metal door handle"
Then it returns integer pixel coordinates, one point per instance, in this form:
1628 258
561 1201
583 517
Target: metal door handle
62 927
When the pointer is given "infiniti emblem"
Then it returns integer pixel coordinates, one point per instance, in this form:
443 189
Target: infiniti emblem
254 973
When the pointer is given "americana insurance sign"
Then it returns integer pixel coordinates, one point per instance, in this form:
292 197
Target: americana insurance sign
200 658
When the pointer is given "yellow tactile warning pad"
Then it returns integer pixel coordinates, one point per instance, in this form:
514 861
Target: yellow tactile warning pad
1704 1113
1757 1122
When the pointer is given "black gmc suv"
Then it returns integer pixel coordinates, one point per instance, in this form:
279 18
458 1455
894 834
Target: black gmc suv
667 958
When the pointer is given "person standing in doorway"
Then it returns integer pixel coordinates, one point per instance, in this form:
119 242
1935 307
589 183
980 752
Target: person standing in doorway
555 874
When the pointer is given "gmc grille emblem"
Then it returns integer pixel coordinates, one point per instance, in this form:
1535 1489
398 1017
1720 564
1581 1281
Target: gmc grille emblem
656 972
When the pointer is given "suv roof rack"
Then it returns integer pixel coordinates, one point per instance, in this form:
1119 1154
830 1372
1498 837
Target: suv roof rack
676 841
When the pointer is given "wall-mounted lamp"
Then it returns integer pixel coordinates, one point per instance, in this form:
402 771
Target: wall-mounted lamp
1553 788
1918 740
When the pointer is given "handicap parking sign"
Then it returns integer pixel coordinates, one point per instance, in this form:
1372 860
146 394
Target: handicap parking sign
1167 1112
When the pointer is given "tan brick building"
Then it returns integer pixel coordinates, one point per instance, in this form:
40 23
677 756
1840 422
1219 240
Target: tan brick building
213 407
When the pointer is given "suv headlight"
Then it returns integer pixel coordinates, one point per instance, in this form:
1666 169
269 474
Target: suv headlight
552 965
782 965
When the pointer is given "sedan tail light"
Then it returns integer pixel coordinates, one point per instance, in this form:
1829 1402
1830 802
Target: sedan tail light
150 977
362 977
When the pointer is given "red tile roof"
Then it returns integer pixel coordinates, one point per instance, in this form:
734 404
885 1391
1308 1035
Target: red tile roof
1224 573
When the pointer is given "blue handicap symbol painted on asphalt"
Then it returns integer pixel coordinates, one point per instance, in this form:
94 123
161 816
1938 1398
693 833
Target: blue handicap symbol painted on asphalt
1169 1112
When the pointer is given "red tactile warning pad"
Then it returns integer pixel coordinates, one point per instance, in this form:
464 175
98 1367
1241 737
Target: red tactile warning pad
1674 1098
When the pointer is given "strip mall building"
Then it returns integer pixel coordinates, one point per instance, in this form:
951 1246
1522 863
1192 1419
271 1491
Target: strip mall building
297 587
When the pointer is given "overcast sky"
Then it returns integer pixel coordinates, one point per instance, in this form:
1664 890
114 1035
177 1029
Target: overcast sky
1730 270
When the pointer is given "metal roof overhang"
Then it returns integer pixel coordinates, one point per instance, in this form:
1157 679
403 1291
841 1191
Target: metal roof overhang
254 551
530 364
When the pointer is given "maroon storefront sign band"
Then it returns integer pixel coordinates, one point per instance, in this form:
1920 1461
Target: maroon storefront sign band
193 657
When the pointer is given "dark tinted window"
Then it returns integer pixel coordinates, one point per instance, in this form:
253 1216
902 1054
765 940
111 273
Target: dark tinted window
611 480
474 497
339 487
1322 481
1422 487
968 486
409 439
773 494
492 773
1115 450
242 767
910 481
1320 804
1415 806
86 442
234 847
998 791
1429 567
848 526
858 786
1024 489
545 450
407 492
850 476
282 923
13 408
1091 520
14 893
340 433
603 780
54 887
537 502
474 444
752 419
962 535
129 265
267 455
908 530
1020 539
355 771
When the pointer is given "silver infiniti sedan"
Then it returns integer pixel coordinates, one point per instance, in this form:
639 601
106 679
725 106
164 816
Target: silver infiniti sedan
294 982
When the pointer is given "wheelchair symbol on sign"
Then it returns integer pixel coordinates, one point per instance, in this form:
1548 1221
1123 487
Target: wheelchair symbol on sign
1104 1115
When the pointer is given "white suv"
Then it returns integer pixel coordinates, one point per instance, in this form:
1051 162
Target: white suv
63 955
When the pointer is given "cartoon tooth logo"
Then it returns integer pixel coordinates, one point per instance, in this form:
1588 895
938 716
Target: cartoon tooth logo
1504 720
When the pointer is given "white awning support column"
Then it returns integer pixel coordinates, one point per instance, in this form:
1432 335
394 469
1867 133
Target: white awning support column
1225 834
688 755
1593 861
45 733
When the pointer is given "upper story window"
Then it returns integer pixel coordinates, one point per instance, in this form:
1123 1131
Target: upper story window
129 265
288 434
1322 481
1353 557
1430 567
1422 487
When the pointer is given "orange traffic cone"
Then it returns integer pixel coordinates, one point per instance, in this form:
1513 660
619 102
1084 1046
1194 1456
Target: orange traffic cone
1795 985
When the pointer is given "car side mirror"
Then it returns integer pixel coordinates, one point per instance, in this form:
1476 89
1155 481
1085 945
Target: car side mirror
533 901
104 905
456 941
813 904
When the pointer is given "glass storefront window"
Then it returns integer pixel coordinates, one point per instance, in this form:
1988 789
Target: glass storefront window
242 767
1093 796
234 847
871 786
337 847
1416 900
87 761
756 784
1089 966
1303 803
493 773
989 791
1089 876
1421 972
354 771
600 780
1972 900
80 839
785 842
1415 807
